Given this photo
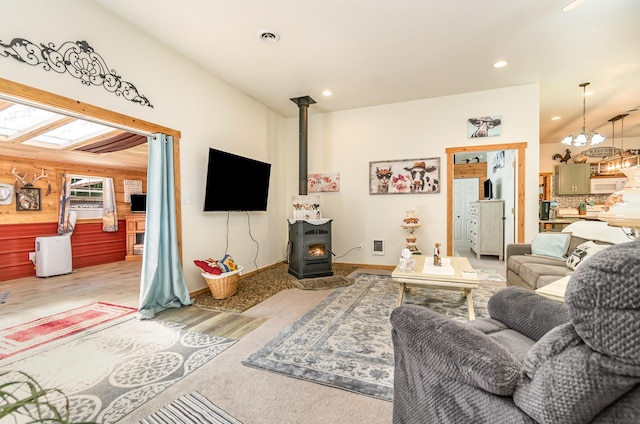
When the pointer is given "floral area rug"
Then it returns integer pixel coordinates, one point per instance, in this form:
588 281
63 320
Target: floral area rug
107 374
23 337
345 341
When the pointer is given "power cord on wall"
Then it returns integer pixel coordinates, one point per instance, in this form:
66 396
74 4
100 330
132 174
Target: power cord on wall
346 253
226 249
255 241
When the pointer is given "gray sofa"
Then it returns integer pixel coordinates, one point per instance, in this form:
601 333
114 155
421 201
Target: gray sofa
534 360
532 272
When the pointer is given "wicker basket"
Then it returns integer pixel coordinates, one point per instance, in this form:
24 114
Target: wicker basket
224 285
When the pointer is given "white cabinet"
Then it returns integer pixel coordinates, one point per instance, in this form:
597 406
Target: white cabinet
486 228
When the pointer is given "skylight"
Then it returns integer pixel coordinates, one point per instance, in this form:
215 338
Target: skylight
36 127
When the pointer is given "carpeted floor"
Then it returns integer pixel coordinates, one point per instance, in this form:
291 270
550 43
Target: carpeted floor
260 286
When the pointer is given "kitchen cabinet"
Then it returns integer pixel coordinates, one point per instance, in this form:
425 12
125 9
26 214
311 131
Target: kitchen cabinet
486 229
573 178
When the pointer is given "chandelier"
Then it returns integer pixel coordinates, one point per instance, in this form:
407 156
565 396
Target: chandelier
584 137
616 162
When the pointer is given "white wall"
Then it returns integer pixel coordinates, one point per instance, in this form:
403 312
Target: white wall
207 111
346 142
210 113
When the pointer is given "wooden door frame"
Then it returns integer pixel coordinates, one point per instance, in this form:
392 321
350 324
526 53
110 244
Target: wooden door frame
36 96
520 184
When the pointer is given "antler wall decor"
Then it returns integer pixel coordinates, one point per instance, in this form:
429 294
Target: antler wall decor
36 177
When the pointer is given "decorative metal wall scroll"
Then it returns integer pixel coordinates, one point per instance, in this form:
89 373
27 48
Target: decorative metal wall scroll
78 59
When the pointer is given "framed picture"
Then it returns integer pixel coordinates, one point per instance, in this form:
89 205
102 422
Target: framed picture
409 176
28 199
484 126
323 182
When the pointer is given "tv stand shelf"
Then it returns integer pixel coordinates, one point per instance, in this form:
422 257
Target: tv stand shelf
135 236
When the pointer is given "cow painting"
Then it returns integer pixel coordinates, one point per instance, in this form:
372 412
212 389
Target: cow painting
407 176
481 127
421 180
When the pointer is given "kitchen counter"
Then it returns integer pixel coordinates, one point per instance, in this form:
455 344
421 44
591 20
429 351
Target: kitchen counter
554 224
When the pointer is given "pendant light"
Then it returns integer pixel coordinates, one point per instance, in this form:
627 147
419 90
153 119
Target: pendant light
584 137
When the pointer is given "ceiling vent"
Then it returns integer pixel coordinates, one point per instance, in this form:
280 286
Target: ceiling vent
269 36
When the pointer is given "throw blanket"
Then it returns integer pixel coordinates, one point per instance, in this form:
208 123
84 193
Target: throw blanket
597 230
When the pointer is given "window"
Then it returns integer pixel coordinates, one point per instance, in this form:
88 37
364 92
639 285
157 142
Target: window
86 196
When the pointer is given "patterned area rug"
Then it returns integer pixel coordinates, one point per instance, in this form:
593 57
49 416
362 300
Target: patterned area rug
36 333
345 342
189 409
107 374
322 283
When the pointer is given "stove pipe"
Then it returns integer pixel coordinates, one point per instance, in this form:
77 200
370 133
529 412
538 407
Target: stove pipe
303 104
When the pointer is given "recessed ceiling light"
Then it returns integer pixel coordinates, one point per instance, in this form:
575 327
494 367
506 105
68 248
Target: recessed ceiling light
500 64
270 37
327 93
556 118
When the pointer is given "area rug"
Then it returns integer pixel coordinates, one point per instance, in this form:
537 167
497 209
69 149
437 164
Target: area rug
323 283
189 409
345 341
21 337
489 275
107 374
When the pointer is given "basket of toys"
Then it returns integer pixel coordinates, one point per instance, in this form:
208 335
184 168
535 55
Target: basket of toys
221 276
224 285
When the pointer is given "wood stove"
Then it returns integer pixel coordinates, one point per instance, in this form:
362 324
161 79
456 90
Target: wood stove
309 248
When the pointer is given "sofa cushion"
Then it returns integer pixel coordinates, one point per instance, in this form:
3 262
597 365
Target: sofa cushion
554 245
444 345
564 381
583 252
515 262
602 297
531 273
527 312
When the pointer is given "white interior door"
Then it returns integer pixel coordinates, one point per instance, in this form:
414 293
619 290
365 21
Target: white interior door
465 191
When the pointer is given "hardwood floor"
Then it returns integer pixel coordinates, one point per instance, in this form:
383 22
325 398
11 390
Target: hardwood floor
31 298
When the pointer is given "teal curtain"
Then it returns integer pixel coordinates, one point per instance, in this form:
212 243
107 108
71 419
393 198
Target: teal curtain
162 282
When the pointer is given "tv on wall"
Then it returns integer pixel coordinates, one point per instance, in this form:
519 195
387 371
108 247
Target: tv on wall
138 202
236 183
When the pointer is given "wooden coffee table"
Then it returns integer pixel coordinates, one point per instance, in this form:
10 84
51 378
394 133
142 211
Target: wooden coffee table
456 274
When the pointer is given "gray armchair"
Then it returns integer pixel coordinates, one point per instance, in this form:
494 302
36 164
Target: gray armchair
535 360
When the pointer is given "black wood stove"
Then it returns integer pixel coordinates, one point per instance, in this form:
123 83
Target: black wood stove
309 249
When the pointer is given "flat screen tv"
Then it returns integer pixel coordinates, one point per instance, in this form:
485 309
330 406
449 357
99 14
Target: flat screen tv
138 203
236 183
488 189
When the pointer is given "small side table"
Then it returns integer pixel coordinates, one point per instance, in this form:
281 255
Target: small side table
555 290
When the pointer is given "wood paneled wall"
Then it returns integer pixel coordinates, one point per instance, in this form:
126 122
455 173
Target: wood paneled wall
18 229
472 170
89 246
49 212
